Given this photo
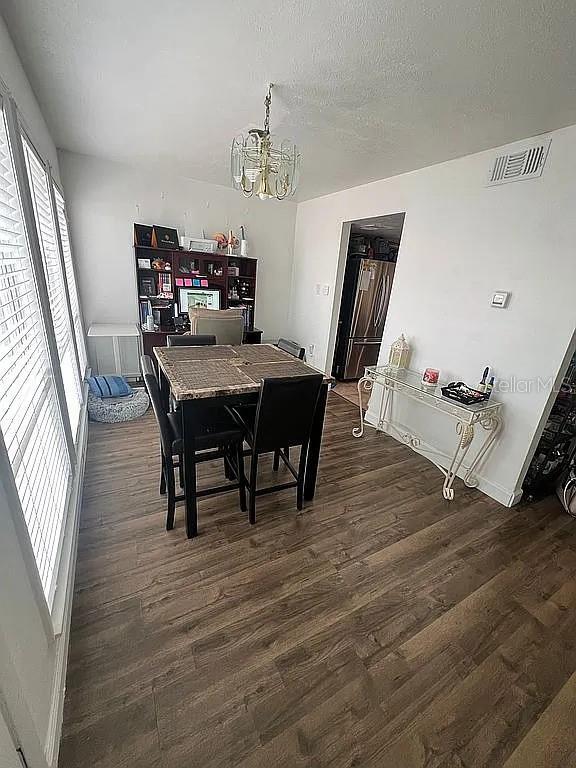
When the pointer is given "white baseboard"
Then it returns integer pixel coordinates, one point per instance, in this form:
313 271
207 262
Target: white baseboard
62 609
506 496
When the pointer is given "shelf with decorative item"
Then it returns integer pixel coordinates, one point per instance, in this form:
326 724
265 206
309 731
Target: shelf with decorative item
202 270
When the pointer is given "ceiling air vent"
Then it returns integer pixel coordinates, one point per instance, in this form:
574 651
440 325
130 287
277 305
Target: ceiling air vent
527 163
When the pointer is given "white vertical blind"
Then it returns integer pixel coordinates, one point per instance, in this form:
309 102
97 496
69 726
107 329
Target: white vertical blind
45 224
71 279
30 417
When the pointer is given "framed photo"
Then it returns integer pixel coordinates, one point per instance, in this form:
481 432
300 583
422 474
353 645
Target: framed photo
144 264
142 235
147 286
164 237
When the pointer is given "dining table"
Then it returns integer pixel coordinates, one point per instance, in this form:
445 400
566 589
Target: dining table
200 378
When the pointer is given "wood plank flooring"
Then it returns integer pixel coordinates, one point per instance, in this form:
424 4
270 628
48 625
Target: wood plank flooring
381 627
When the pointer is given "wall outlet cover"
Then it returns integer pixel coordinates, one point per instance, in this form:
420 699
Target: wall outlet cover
500 299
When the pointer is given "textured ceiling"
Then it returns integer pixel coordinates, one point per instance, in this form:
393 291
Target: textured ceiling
389 226
367 88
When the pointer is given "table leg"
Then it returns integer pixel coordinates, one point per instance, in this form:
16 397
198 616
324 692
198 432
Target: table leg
465 437
366 384
314 446
492 425
189 455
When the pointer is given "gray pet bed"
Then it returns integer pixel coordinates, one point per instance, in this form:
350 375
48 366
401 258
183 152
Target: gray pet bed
113 410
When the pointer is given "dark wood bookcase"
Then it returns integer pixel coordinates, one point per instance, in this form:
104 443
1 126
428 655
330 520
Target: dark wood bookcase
233 276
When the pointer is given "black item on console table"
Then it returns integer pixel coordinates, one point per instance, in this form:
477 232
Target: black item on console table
464 394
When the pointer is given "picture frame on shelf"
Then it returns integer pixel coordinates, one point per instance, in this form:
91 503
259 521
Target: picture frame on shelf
144 264
147 286
143 235
165 237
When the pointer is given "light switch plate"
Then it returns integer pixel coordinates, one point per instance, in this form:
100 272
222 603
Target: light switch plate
500 299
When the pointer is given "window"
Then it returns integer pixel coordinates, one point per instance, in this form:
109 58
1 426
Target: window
30 416
71 279
46 226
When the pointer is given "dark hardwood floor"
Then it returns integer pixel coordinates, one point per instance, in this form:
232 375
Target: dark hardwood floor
381 626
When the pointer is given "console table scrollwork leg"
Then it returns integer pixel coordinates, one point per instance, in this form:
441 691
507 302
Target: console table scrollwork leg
365 384
492 425
466 435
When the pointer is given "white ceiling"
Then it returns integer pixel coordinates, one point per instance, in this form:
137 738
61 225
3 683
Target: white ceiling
389 226
367 88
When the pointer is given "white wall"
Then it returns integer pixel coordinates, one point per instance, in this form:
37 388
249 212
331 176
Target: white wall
461 241
105 198
13 75
29 652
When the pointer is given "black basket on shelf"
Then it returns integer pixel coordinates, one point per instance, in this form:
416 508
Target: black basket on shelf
464 394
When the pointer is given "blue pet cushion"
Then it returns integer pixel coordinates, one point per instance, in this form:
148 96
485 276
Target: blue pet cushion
109 386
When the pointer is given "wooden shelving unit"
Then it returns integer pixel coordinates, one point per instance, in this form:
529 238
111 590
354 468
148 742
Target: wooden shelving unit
233 276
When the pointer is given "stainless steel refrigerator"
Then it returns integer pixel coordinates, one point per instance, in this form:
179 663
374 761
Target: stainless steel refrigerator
365 298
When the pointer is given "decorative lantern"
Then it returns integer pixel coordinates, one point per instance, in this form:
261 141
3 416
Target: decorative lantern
399 353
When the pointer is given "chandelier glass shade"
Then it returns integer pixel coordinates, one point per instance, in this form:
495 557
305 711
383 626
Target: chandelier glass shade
264 165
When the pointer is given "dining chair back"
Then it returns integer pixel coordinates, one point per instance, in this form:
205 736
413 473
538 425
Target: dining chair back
283 417
153 389
227 325
190 340
285 411
292 348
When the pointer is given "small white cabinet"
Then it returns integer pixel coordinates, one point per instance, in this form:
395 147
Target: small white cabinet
115 348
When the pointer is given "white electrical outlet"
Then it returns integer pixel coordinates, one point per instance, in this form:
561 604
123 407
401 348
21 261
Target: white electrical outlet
310 349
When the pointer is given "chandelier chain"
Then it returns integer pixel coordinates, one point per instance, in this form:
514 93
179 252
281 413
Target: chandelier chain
267 102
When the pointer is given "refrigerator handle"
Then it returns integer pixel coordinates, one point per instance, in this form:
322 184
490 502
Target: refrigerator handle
357 300
382 305
378 302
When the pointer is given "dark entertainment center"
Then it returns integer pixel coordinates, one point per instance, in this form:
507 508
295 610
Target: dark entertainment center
162 274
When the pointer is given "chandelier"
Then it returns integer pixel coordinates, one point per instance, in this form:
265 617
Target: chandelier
262 164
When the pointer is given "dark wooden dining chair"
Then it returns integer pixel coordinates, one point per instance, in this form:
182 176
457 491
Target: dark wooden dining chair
295 350
292 348
282 418
221 438
190 340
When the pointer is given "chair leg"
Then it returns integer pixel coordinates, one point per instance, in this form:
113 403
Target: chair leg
169 471
181 470
301 476
276 463
253 473
163 475
241 479
192 501
228 471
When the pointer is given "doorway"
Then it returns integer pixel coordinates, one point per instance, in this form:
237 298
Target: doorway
370 263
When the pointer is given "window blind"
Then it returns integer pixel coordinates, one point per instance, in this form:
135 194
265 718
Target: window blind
30 417
38 179
71 279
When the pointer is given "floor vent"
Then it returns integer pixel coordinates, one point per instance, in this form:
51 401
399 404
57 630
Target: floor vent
528 163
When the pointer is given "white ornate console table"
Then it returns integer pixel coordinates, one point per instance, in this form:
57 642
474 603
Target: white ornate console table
409 383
